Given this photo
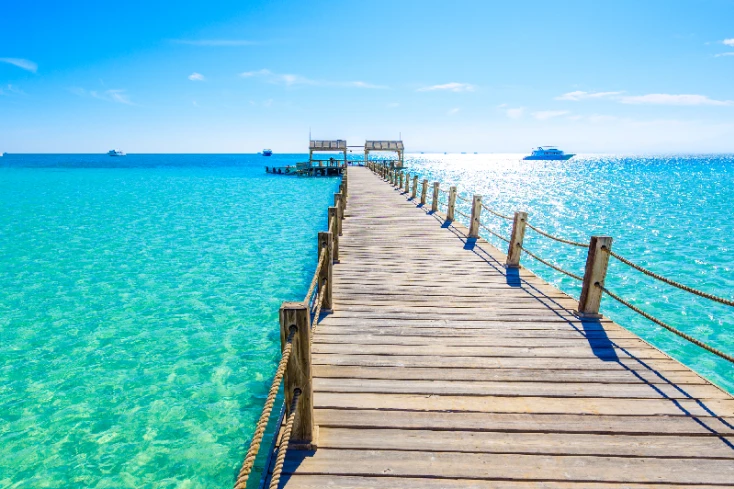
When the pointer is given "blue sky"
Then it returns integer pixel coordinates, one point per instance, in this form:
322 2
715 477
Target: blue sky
236 76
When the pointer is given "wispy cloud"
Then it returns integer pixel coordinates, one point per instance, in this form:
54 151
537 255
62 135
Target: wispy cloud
581 95
672 99
724 54
728 42
196 77
216 42
117 95
392 105
291 80
453 111
11 90
549 114
515 113
25 64
451 87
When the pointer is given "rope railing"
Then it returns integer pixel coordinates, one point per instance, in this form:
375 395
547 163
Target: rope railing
284 441
491 211
262 423
670 328
596 265
672 283
315 279
556 238
494 233
547 263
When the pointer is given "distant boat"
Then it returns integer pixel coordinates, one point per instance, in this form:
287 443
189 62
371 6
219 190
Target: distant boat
116 152
548 153
267 152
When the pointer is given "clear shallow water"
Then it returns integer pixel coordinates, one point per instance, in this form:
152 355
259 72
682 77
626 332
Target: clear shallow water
139 312
671 215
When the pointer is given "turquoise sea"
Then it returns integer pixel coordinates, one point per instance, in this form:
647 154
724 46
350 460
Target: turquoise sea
139 295
139 313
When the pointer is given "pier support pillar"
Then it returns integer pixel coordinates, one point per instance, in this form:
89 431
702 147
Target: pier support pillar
434 203
333 225
407 182
476 212
514 251
326 240
415 187
597 261
424 190
339 204
297 377
400 180
452 204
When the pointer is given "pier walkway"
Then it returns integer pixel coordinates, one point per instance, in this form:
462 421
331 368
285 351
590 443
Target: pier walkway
441 368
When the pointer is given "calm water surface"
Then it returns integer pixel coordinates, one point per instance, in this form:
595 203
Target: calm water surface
139 313
669 214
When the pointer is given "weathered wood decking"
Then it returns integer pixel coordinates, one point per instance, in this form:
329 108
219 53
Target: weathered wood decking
439 368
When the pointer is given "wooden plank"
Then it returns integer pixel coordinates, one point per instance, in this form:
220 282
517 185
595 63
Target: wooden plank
298 481
540 405
527 443
679 425
679 378
503 466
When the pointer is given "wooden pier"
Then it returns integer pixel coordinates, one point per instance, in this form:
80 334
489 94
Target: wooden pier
438 366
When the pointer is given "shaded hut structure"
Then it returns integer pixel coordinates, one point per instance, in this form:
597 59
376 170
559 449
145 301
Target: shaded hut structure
394 146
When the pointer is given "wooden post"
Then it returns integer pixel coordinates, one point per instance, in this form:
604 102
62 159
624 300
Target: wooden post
339 212
295 315
476 212
325 283
407 182
424 190
597 261
434 204
334 218
452 204
514 250
400 180
415 187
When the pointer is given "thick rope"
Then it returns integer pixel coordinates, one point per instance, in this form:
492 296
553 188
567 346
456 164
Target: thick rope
457 211
556 238
315 279
315 322
262 423
509 218
494 233
554 267
458 196
443 190
654 275
666 326
284 441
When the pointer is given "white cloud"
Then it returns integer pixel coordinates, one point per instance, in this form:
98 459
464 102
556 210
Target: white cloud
392 105
453 111
10 90
115 95
290 80
728 42
516 113
549 114
672 99
451 87
196 77
723 54
21 63
581 95
216 42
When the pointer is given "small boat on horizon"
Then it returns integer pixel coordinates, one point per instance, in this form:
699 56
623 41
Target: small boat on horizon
548 153
267 152
116 152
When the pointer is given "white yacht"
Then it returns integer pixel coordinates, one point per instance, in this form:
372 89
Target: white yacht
548 153
116 152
